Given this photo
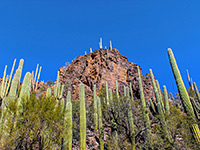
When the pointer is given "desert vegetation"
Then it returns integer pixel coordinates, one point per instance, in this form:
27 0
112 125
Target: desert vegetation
36 118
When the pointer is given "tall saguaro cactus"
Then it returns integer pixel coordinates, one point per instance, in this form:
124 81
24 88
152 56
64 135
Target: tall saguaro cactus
10 78
166 100
160 106
95 109
24 93
101 134
117 91
82 117
144 108
3 84
107 95
68 125
131 121
183 94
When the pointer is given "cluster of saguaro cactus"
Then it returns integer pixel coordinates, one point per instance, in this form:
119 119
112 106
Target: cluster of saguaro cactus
11 90
184 95
131 121
160 106
36 78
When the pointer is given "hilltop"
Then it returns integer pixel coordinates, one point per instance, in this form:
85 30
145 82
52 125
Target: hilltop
101 66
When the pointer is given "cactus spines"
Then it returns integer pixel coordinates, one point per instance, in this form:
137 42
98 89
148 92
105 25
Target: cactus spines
144 108
183 93
131 121
82 117
95 109
166 100
101 134
100 44
107 95
195 130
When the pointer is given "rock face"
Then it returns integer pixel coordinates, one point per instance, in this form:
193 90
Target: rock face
101 66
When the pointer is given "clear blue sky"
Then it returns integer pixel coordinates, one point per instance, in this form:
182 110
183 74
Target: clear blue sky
52 32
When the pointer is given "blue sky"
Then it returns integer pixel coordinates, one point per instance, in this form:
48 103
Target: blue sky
52 32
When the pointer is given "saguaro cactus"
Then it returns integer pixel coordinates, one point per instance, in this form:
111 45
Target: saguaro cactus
107 95
117 91
160 95
144 108
131 121
101 134
95 109
100 44
68 125
183 94
2 84
110 97
82 117
58 88
48 93
160 106
110 45
197 92
10 78
24 93
166 100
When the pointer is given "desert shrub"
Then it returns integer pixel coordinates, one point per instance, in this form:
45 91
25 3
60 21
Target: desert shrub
39 126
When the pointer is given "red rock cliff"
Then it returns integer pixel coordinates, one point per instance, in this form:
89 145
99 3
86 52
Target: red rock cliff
99 67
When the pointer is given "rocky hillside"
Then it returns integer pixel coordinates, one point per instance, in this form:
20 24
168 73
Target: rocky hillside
101 66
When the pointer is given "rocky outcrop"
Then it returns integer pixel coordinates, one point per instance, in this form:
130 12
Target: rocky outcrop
101 66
